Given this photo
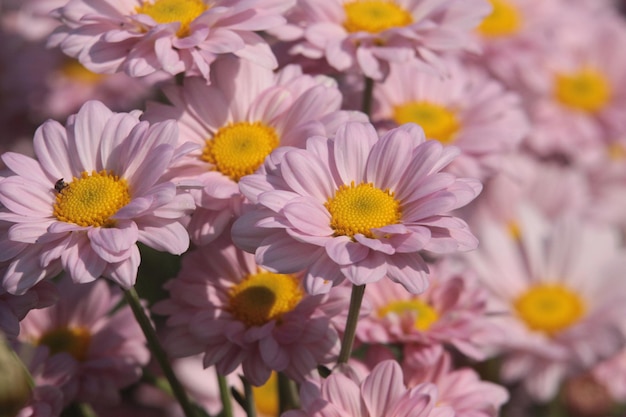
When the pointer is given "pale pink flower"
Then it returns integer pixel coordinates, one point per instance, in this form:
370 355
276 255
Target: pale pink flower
382 393
559 292
356 206
467 108
141 37
223 305
577 98
367 35
461 389
102 340
244 114
94 192
452 311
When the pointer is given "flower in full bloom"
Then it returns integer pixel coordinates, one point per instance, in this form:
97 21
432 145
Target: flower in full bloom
382 393
366 35
559 291
577 97
244 114
356 206
467 108
101 340
141 37
94 192
452 311
223 305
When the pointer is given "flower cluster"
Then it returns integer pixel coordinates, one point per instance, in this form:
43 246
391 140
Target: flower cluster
325 208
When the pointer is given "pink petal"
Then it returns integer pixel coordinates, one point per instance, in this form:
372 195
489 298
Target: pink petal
345 252
383 387
352 145
51 148
88 127
112 244
306 175
370 269
308 217
284 255
410 270
170 237
125 273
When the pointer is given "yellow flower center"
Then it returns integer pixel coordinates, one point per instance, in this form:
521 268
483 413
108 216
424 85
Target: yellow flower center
169 11
587 90
92 199
374 16
360 208
437 121
425 315
549 308
74 70
514 230
239 149
266 397
263 297
504 20
72 340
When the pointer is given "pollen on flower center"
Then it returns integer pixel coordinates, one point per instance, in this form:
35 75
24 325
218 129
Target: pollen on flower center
374 16
169 11
549 308
587 90
425 315
72 340
263 297
239 149
437 121
504 20
91 200
361 208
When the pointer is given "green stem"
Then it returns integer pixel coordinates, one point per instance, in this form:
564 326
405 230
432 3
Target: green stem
368 92
86 410
157 350
353 317
227 404
287 394
249 395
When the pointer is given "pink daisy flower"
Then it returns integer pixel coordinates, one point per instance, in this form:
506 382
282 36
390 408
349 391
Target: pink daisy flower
104 342
244 114
140 37
365 35
94 192
356 206
467 109
559 292
453 310
223 305
382 393
461 389
578 95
